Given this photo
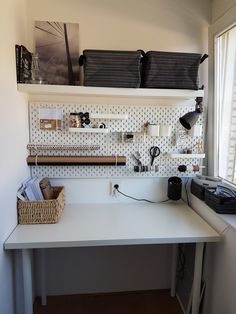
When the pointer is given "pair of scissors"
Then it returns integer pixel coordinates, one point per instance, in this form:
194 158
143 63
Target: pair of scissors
154 152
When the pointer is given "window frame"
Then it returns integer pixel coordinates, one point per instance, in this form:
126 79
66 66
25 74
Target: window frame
223 24
217 101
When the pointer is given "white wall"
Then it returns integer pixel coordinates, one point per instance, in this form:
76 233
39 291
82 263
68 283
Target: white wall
152 24
13 138
221 275
219 268
219 8
126 24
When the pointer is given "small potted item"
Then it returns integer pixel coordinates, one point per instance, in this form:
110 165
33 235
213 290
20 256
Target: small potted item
74 120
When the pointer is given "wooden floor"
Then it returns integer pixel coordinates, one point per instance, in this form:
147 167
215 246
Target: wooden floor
145 302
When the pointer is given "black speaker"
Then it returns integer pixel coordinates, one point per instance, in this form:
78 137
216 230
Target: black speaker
174 188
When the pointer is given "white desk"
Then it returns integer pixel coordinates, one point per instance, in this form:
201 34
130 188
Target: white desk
116 224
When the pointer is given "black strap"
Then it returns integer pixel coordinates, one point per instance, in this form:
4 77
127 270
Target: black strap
143 54
81 60
203 58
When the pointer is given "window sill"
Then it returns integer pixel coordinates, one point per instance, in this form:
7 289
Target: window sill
220 222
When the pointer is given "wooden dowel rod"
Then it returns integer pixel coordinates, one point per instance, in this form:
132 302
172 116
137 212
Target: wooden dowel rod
76 160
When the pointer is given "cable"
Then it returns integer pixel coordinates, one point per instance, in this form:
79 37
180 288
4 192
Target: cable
181 263
116 186
186 191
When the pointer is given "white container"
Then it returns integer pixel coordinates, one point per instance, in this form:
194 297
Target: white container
153 129
165 130
196 130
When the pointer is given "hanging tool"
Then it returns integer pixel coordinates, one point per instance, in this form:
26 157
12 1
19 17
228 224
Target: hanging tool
154 152
137 157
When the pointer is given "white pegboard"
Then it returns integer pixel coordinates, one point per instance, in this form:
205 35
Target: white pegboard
109 143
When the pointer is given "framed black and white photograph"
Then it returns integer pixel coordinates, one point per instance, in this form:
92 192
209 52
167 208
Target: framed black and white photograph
57 45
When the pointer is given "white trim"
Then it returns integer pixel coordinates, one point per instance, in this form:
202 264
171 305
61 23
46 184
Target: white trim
226 30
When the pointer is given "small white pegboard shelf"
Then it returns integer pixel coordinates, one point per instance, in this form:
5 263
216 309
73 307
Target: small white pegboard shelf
108 143
88 130
109 116
185 156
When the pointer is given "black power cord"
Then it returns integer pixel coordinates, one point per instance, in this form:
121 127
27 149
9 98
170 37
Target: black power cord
186 190
181 263
116 186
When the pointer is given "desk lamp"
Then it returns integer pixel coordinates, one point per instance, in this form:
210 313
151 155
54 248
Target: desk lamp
190 118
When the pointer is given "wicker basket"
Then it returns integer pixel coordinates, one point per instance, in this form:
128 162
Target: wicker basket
42 212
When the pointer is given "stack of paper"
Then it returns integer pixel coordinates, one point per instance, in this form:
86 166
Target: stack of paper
30 190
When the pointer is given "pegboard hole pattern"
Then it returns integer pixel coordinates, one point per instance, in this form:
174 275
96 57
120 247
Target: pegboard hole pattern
109 143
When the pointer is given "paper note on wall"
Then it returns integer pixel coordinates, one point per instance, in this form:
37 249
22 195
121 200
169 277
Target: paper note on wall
50 118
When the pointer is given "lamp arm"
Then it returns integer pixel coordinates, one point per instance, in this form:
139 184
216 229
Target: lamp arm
199 105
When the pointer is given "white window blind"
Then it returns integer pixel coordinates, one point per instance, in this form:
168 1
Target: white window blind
226 104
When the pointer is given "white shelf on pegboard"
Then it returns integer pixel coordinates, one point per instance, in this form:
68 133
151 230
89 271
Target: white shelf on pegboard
176 155
89 130
108 116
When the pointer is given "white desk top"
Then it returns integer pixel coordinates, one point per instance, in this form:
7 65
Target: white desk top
116 224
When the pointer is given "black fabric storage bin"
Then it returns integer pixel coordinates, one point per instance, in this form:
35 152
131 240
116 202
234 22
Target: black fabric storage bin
220 204
174 70
111 68
200 183
197 190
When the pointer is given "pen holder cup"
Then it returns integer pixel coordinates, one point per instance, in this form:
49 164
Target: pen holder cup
42 212
174 188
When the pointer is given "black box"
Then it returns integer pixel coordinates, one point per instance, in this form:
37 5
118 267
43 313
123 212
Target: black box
222 203
198 190
200 183
177 70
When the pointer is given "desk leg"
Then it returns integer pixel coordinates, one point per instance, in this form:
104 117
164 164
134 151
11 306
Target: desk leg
197 277
41 253
173 269
27 281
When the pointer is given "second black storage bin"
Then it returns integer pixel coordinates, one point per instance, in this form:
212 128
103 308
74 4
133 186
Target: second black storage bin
176 70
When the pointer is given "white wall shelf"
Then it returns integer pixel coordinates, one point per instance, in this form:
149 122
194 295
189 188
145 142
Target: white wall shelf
176 155
108 116
66 90
89 130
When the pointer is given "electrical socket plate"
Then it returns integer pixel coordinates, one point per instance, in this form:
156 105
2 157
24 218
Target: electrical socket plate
112 189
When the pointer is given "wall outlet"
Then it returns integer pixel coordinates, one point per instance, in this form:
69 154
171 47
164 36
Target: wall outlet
113 191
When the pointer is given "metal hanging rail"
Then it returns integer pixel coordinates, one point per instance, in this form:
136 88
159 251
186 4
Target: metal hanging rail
37 147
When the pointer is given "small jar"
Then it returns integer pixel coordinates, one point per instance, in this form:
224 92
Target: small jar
74 120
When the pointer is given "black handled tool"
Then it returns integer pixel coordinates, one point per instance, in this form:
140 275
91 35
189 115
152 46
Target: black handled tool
154 152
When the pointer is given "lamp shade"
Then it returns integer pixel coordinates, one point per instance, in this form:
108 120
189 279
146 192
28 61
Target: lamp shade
189 119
